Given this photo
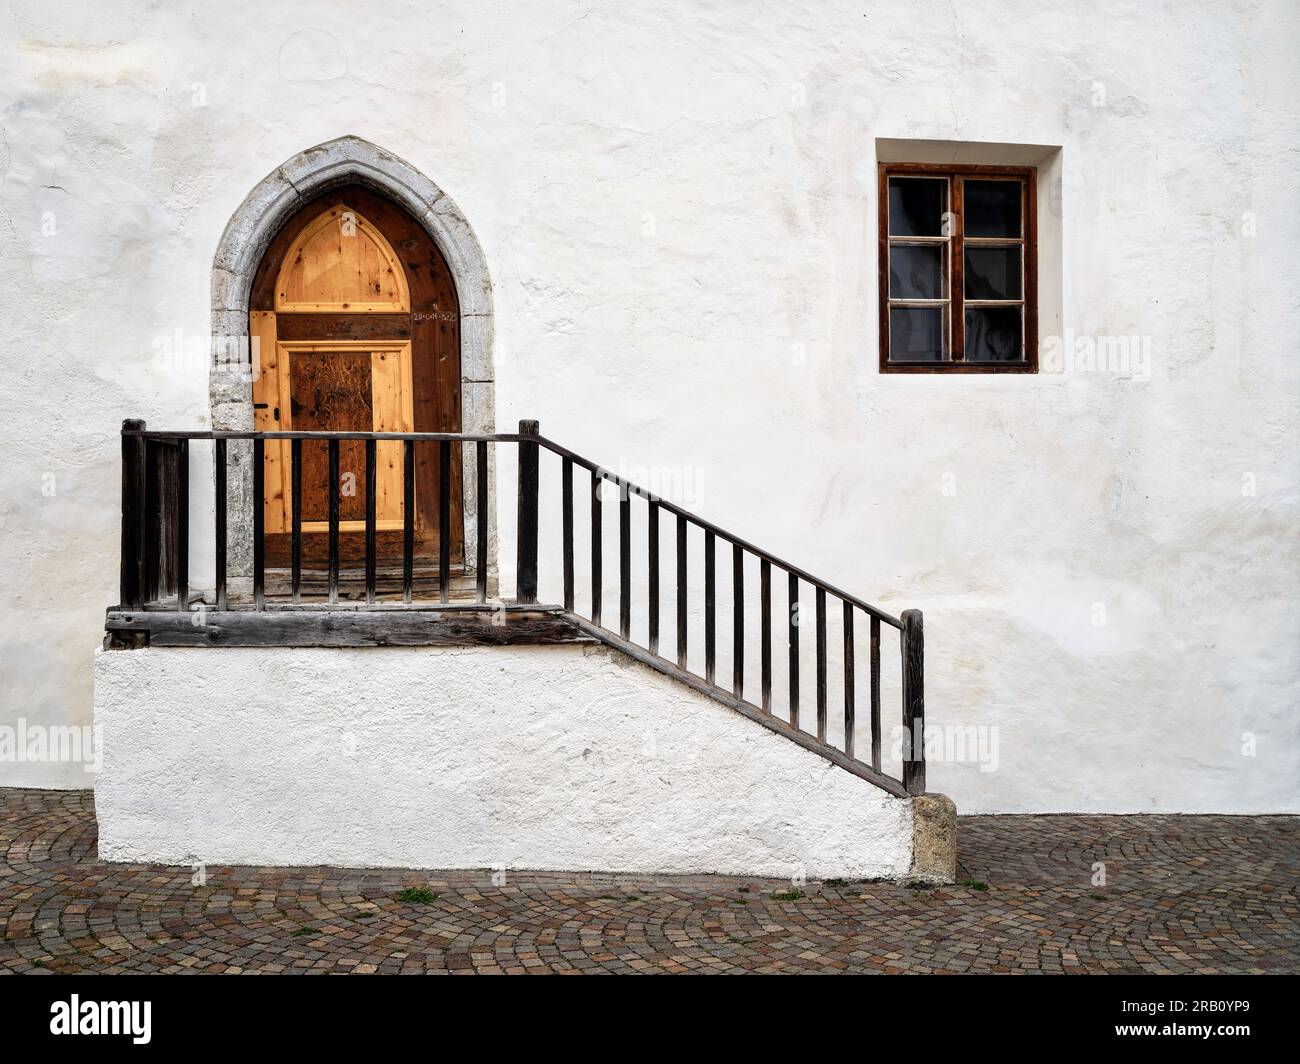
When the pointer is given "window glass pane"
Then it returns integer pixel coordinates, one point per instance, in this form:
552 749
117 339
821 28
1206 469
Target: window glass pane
916 334
992 208
992 272
916 206
993 334
915 271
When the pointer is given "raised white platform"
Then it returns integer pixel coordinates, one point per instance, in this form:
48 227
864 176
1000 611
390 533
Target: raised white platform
526 757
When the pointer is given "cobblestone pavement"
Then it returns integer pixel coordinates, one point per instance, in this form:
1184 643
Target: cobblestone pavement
1183 894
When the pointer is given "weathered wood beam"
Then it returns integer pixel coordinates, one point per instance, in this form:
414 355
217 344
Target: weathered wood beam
344 628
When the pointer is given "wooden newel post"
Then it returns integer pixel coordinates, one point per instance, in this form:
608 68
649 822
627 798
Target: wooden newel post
131 589
527 523
913 648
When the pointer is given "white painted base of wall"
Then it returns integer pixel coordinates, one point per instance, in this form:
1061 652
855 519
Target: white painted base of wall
568 758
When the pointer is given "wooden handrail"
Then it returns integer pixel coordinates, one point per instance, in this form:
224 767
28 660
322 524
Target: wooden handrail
318 434
721 533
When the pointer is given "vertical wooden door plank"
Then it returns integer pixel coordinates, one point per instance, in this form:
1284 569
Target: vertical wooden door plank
392 410
271 414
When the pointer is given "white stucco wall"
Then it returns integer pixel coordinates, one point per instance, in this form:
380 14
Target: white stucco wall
534 757
677 207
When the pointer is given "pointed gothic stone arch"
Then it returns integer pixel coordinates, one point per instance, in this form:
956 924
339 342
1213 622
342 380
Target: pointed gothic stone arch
248 234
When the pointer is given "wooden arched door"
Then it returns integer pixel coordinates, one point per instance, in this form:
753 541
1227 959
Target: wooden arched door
356 322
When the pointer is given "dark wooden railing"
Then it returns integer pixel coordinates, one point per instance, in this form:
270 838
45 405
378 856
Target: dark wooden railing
909 625
155 576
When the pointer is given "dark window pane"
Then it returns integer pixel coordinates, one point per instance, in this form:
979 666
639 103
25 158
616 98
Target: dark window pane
916 206
992 272
993 334
915 271
992 208
916 334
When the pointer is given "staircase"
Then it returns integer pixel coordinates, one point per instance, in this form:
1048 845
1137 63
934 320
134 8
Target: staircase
427 602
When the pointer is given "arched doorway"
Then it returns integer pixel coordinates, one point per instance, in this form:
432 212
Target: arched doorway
356 320
271 212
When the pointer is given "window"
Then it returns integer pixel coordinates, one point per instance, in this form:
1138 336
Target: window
958 276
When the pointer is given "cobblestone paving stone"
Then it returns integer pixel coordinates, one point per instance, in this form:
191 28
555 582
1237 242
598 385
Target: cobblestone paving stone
1183 894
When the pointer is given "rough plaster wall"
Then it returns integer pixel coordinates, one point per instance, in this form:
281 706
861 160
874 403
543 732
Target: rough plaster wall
677 205
536 757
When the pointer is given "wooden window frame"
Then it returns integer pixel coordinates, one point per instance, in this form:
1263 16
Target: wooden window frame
955 244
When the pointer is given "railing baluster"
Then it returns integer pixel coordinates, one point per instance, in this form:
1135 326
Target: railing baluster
481 525
566 504
444 520
681 592
912 642
765 596
135 487
652 574
158 569
848 680
875 693
526 527
372 463
408 518
597 544
710 609
737 621
182 525
793 606
296 519
625 564
334 520
222 503
259 523
821 664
